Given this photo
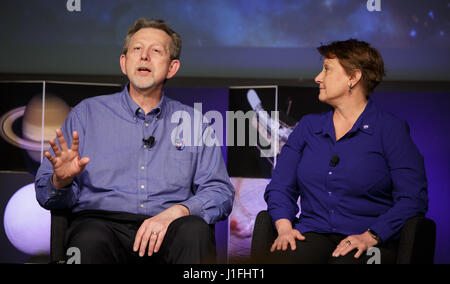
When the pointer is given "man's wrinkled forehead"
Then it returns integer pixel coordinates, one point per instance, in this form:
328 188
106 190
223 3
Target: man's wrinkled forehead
151 35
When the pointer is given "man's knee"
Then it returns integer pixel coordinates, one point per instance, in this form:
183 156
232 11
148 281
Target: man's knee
94 240
190 240
89 233
192 228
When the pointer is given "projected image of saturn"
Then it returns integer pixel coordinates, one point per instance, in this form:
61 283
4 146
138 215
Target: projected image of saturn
30 113
29 128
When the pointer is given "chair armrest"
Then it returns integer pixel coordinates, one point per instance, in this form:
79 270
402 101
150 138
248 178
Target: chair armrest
264 234
417 241
59 225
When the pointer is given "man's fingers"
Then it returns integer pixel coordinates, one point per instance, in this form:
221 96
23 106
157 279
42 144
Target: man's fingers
50 157
84 161
137 239
61 140
154 236
75 141
144 243
159 241
55 147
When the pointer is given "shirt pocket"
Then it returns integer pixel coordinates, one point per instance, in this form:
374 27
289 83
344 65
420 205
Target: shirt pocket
179 168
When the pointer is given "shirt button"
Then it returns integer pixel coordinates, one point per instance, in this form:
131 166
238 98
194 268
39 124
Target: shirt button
142 167
146 125
329 193
141 205
142 186
330 173
145 146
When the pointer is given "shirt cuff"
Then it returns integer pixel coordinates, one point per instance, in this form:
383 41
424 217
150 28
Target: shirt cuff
194 206
278 214
382 232
54 192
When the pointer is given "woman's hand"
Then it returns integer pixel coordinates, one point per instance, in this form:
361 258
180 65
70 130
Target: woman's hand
286 236
360 242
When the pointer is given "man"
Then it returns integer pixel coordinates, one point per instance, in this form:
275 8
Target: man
135 192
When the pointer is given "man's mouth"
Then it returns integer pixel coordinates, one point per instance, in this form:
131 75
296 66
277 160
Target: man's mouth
144 70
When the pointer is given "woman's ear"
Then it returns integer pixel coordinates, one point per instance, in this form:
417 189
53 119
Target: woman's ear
355 78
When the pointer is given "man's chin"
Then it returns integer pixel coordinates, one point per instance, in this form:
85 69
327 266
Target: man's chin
143 86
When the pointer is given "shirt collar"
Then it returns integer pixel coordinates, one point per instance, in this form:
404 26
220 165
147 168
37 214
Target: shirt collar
133 108
365 121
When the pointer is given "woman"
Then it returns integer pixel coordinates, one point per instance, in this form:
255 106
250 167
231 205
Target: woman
356 170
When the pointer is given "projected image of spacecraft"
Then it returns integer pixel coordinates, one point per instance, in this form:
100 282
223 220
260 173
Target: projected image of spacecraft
272 130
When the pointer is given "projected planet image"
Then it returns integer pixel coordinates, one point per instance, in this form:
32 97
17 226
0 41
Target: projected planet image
33 137
27 225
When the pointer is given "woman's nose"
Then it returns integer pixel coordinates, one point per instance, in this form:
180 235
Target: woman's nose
318 78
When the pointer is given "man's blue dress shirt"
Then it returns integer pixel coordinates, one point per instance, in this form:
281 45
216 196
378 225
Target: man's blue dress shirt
126 175
379 181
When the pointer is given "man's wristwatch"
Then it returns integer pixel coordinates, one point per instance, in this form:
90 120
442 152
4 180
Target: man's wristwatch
374 235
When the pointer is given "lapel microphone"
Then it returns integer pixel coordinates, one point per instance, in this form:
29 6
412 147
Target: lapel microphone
149 142
334 161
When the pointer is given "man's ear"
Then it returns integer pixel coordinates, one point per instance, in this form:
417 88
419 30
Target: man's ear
173 68
122 61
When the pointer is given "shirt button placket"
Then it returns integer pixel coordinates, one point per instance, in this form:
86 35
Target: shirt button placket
142 168
142 173
331 196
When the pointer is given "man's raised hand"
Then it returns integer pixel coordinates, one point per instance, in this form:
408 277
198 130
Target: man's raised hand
67 163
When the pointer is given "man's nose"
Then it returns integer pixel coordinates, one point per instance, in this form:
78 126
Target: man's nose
145 55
